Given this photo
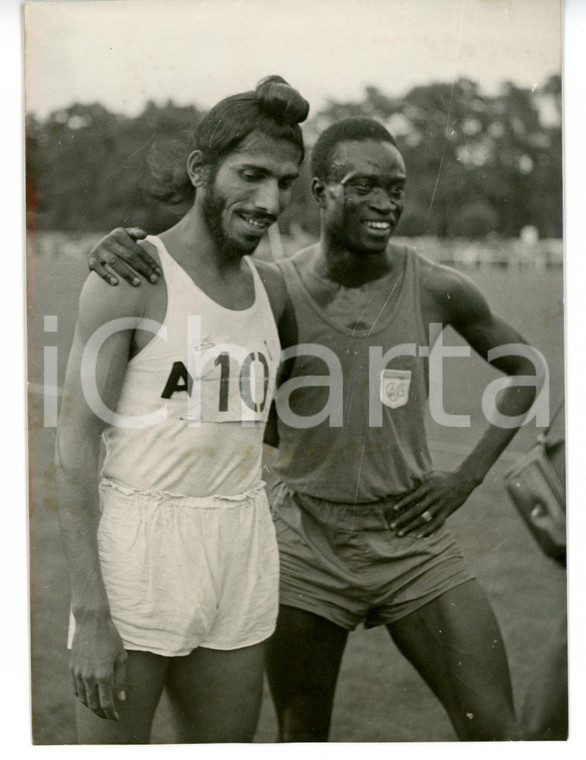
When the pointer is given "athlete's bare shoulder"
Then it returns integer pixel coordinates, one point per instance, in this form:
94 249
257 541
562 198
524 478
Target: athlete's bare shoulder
434 276
99 302
448 294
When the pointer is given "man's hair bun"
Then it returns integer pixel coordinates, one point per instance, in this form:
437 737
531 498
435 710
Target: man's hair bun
278 99
275 109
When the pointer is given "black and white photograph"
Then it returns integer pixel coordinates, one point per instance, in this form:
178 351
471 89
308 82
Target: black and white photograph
296 371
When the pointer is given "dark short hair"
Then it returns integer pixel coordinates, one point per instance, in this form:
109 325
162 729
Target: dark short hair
273 108
356 128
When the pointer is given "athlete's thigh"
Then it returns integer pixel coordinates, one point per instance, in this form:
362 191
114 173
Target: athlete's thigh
145 678
455 643
215 695
303 661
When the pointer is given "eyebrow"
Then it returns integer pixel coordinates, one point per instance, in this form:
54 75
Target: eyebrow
259 168
365 175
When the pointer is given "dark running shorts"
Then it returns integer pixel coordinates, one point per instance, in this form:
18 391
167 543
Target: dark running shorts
342 562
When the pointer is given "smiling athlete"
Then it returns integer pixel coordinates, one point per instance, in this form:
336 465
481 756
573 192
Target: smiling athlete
359 510
173 560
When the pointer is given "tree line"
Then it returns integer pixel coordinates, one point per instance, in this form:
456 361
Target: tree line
477 165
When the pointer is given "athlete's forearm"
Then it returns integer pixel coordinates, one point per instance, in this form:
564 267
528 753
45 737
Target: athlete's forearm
79 515
97 658
514 402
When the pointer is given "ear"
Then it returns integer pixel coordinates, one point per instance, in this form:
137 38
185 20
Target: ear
318 190
196 168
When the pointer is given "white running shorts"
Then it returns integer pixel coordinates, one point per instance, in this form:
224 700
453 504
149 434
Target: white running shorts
183 572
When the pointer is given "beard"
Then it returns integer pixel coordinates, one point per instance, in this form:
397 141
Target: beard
212 208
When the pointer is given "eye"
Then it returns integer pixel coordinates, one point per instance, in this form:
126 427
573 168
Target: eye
251 175
362 186
397 191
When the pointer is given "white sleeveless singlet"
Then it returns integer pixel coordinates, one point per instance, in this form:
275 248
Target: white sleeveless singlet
195 399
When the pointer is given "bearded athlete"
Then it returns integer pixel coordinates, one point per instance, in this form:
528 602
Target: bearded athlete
171 549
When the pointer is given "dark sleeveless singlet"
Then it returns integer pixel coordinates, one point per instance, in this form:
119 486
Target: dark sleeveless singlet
381 448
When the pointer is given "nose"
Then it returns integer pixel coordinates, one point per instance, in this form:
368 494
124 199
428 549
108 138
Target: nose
267 197
381 201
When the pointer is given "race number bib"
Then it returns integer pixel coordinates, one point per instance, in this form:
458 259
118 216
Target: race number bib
221 383
234 388
394 387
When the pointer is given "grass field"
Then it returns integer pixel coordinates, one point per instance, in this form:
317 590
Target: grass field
380 697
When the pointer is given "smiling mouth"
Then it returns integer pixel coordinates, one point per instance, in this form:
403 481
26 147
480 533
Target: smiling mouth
378 226
260 224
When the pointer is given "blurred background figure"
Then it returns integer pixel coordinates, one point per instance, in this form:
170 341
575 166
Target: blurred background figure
545 707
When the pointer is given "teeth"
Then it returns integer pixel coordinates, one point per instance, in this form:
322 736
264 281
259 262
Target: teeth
254 222
378 225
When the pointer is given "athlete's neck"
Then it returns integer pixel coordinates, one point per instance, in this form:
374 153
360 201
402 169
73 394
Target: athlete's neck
350 269
192 246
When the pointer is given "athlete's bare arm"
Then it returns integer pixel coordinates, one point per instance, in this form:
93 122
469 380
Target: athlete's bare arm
450 298
97 657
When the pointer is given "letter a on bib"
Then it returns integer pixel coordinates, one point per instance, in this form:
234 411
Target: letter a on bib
394 387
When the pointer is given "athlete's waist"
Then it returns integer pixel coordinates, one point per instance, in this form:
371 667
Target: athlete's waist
338 516
199 480
306 493
123 491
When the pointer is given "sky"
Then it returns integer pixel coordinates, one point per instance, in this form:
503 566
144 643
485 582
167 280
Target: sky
125 52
